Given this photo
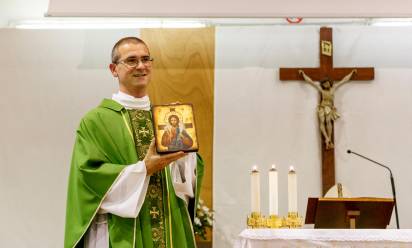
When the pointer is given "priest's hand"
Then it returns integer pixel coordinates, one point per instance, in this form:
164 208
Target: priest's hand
155 162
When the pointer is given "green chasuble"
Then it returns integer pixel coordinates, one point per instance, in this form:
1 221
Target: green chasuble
108 139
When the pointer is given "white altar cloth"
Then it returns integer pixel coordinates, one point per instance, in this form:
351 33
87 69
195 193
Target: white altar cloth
348 238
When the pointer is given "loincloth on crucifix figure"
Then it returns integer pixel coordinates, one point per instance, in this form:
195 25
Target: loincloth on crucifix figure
327 112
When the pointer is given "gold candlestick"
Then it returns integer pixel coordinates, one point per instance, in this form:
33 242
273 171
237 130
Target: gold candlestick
274 221
293 220
256 220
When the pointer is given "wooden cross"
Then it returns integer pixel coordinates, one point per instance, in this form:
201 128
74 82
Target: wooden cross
326 70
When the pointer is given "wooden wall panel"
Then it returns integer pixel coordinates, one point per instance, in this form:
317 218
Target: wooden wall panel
184 72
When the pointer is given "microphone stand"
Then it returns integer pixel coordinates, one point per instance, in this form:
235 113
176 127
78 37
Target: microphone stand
392 183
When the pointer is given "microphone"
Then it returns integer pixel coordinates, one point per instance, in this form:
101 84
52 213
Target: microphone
392 183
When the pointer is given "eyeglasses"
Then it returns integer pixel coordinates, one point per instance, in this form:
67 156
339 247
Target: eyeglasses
134 61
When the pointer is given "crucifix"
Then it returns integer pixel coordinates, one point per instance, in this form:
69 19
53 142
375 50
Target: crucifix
326 74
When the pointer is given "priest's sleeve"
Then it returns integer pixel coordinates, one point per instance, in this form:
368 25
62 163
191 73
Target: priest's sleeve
97 161
187 175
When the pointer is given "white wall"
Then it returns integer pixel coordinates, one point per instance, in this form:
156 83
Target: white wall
13 10
49 79
261 120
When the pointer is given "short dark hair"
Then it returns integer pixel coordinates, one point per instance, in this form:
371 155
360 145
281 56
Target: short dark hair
131 39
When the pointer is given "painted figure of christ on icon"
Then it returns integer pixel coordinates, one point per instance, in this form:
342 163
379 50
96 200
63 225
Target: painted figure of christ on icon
174 128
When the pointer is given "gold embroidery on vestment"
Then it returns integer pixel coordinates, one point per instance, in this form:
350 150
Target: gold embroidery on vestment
143 134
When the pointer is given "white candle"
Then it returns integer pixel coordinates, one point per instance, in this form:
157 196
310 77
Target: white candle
273 191
255 190
292 191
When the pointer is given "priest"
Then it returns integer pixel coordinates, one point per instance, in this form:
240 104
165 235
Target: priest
121 193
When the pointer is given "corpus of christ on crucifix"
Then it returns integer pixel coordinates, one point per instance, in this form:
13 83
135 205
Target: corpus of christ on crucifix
326 79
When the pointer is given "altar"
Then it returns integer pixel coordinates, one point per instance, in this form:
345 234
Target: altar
265 238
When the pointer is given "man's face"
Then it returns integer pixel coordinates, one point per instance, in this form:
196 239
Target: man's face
174 121
136 78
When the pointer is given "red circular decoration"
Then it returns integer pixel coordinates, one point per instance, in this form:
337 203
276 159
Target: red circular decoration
294 20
